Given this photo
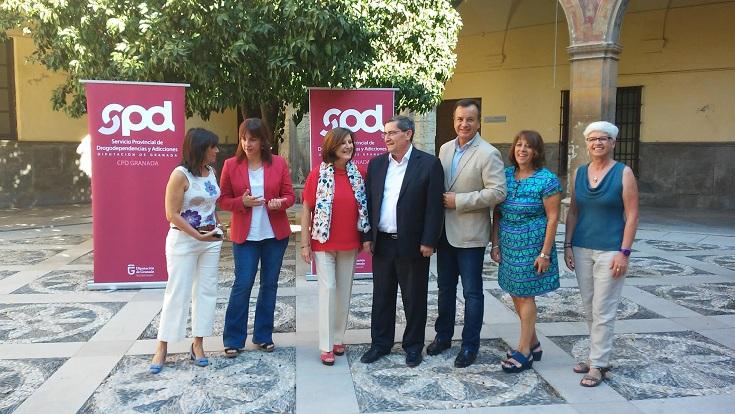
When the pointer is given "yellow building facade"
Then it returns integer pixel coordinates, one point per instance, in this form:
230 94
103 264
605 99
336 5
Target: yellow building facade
675 76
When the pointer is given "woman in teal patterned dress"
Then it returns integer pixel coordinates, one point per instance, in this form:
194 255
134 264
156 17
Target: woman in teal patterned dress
524 227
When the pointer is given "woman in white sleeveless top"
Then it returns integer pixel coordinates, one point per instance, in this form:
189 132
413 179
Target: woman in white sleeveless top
192 248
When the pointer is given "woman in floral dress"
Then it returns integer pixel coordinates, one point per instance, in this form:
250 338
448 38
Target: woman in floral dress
192 248
524 227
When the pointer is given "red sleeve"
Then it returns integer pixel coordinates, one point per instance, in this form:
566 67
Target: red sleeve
227 199
286 186
309 193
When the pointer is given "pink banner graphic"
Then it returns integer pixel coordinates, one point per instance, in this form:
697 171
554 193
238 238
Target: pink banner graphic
362 111
137 130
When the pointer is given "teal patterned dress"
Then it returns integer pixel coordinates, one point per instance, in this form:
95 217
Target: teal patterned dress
522 233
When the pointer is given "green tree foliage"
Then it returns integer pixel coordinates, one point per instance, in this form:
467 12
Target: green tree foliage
254 54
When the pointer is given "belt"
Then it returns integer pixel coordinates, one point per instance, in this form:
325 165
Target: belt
205 229
393 236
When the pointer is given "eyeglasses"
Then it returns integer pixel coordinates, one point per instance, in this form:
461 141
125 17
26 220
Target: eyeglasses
391 134
597 139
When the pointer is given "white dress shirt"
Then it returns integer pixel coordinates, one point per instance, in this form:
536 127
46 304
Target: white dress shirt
388 222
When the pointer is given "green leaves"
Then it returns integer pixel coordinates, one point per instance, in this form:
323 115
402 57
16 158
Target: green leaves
248 53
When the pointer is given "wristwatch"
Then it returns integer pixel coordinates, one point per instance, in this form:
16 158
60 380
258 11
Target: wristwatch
544 256
625 252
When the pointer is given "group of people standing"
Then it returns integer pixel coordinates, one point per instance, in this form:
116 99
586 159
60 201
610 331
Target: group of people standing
408 205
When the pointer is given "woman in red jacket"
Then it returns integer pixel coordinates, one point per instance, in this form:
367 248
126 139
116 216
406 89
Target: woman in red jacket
256 188
333 216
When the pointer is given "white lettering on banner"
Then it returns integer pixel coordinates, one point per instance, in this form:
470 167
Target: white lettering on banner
353 119
146 118
141 270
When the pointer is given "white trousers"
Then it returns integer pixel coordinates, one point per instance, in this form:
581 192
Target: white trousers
192 277
600 297
334 270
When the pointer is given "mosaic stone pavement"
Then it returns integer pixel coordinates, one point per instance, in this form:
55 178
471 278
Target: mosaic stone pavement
361 309
53 322
725 261
20 378
27 257
283 321
663 364
564 305
387 385
48 319
707 299
649 266
59 281
252 382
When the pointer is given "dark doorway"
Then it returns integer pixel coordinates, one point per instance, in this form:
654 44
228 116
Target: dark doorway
445 122
8 127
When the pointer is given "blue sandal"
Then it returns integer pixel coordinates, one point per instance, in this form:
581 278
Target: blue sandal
200 362
536 354
525 361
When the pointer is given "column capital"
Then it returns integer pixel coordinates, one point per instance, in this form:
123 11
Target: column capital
596 50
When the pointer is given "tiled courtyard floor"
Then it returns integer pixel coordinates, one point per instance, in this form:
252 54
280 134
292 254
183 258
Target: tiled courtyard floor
65 349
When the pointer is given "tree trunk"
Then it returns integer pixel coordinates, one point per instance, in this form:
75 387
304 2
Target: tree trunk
268 115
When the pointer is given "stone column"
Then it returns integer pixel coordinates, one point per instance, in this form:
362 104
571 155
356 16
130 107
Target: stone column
593 85
297 137
594 29
425 136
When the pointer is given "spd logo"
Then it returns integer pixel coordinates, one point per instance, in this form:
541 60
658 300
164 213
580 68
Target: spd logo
116 116
369 121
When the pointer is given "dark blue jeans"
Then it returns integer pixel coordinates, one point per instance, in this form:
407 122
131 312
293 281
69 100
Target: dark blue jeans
452 263
269 253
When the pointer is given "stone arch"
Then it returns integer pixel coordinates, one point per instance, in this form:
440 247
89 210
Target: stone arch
594 21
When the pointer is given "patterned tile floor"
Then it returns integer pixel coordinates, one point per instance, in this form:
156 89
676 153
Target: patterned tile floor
66 349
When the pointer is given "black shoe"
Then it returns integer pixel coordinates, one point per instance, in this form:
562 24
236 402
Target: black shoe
413 358
372 355
465 358
436 347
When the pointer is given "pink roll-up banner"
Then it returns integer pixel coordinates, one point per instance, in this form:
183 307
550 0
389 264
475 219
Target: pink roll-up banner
136 130
362 111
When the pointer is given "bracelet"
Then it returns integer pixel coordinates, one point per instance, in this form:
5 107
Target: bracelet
567 244
494 248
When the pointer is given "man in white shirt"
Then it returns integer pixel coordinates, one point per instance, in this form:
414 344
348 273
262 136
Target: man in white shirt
404 191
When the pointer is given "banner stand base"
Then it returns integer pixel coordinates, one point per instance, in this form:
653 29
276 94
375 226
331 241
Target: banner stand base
358 276
125 285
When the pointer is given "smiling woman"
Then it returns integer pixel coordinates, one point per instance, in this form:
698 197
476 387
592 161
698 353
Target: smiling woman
333 217
600 229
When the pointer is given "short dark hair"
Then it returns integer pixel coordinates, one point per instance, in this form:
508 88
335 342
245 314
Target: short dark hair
536 143
196 143
404 123
333 140
257 128
466 103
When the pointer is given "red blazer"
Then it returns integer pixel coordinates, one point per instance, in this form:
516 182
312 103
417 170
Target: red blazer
233 183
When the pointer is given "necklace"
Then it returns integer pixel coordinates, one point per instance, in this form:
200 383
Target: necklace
602 170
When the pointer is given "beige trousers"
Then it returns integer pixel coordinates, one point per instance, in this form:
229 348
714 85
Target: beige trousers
600 297
334 270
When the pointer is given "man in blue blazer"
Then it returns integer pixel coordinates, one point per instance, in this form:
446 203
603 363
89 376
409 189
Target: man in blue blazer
404 191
